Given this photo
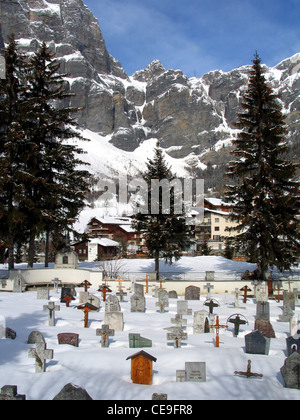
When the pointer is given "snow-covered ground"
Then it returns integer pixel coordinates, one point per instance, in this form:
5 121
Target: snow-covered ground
105 372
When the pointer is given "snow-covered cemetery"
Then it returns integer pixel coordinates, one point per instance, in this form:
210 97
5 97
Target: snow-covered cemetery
149 224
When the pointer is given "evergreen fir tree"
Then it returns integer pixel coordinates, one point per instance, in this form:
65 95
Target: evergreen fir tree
13 150
166 233
266 197
60 186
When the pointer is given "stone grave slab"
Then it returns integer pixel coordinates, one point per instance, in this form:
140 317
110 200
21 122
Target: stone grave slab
262 310
201 322
72 392
112 304
182 308
136 341
256 343
68 338
290 371
9 393
265 327
35 337
192 293
40 353
194 372
289 297
114 320
42 293
293 344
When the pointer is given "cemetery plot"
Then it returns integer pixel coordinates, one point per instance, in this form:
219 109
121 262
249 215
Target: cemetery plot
196 370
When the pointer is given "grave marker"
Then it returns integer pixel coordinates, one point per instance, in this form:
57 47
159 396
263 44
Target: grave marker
119 280
42 293
52 308
262 310
290 371
136 341
67 298
86 308
9 393
248 373
104 289
163 300
40 353
86 284
121 293
112 304
256 343
56 282
194 372
287 313
208 286
105 332
237 321
245 289
68 338
201 324
179 321
289 298
182 308
114 320
192 293
293 344
176 334
141 367
217 327
212 303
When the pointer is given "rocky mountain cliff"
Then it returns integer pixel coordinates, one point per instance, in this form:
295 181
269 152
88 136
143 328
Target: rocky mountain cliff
192 117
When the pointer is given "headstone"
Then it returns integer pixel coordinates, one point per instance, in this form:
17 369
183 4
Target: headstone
201 323
68 338
42 293
141 367
9 393
114 320
289 298
217 327
72 392
176 334
112 304
290 371
52 308
262 310
163 300
296 294
293 344
182 307
265 327
173 294
105 333
156 396
2 327
179 321
136 341
256 343
104 289
138 289
67 299
35 337
295 324
83 297
64 292
192 293
137 303
194 372
9 333
287 313
236 294
18 284
261 293
40 353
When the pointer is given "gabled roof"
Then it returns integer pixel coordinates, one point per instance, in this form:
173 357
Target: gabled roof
142 353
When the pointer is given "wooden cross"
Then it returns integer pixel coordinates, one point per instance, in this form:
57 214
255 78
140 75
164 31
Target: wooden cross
86 284
161 281
104 289
217 327
40 353
86 308
119 280
248 373
51 307
147 278
67 299
278 290
245 289
105 332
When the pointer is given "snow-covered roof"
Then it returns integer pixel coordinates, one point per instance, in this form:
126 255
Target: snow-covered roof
104 242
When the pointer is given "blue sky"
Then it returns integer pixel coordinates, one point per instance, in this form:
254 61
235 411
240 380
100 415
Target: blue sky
197 36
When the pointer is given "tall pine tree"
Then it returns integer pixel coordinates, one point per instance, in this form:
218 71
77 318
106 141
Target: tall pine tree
60 186
266 197
164 230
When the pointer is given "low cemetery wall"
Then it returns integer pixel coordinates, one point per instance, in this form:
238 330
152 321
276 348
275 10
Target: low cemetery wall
43 276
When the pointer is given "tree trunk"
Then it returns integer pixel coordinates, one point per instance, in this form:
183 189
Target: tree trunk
157 264
47 248
11 252
31 249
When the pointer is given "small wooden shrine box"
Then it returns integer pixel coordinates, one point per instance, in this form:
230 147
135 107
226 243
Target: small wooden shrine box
141 367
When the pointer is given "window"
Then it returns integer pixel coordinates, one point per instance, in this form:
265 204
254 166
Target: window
217 228
217 220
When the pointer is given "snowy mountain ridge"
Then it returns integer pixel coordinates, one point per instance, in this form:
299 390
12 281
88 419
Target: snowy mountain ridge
125 115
